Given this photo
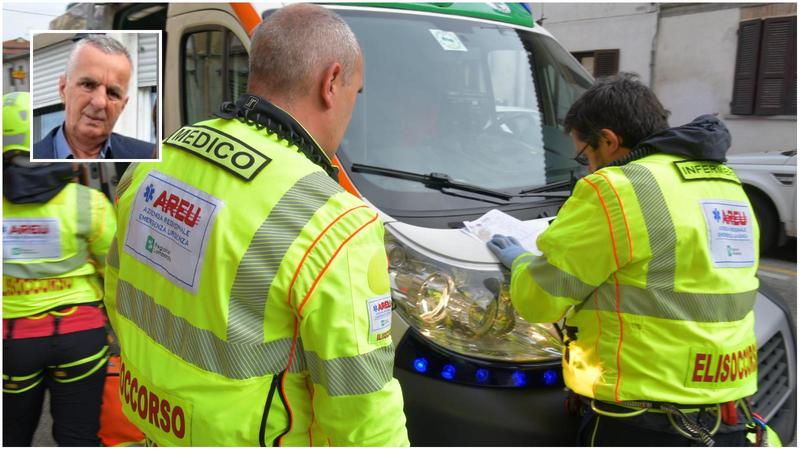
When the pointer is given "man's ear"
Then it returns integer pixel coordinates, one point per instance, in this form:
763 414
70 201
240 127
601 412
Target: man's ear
62 85
329 86
609 142
610 139
612 144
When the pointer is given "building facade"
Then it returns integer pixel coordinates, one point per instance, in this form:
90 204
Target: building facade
16 62
737 60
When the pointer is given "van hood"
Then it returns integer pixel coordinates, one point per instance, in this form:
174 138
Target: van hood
452 246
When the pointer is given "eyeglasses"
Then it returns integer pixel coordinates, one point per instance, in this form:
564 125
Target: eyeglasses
581 158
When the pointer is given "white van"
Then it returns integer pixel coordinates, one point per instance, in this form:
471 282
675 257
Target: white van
462 112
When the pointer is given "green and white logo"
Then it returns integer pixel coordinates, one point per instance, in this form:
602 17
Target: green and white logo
149 244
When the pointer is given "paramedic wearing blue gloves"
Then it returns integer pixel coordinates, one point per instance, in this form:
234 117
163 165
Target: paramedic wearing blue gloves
659 344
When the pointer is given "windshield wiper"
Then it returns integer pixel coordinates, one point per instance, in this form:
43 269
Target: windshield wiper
435 180
549 187
438 180
569 184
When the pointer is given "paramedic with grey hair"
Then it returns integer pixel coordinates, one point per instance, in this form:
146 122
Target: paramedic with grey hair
94 91
268 322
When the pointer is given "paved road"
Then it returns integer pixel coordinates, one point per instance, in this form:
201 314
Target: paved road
778 270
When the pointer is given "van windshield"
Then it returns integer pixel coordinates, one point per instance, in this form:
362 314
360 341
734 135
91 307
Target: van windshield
481 102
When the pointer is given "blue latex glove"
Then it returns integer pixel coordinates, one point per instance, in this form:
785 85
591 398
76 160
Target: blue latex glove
506 248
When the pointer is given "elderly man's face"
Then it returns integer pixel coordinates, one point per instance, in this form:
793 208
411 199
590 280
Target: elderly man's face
94 94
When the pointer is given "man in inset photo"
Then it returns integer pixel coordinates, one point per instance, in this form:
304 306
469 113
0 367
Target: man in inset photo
94 91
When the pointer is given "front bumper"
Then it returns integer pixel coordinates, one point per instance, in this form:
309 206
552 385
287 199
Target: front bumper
447 413
441 412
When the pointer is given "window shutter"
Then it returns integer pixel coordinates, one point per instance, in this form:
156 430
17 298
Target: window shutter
775 79
606 62
48 65
744 81
147 59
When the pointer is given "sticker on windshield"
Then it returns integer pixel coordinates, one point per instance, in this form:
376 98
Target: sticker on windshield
169 227
448 40
730 233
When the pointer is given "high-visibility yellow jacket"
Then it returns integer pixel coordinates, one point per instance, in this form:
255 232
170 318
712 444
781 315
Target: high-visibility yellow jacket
654 265
250 294
54 252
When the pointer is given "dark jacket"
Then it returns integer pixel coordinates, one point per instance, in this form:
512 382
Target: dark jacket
122 147
705 138
35 183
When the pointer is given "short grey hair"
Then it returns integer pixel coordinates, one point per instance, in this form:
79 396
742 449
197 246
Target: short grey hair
105 44
294 44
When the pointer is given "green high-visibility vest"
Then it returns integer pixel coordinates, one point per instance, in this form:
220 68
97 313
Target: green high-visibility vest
250 294
654 265
54 252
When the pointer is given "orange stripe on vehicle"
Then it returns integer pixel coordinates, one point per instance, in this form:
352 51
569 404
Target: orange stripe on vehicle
622 210
621 336
608 218
344 180
247 15
324 269
311 247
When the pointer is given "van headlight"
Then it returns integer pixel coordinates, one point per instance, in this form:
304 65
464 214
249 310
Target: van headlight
464 310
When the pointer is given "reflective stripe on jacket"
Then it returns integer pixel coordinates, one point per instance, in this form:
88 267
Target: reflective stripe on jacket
243 305
656 309
54 252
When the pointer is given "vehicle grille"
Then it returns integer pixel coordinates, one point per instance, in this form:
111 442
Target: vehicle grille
773 377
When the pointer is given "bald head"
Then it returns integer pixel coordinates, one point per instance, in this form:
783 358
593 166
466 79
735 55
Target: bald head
292 48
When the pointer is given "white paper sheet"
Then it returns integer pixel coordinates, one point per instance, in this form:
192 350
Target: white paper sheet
498 222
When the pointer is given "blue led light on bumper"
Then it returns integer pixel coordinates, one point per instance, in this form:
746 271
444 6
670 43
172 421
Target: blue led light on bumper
519 378
417 357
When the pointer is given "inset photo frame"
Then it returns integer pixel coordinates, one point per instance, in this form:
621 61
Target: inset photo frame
96 95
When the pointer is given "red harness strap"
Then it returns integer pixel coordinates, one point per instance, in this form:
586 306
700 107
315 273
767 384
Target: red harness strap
62 321
728 411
